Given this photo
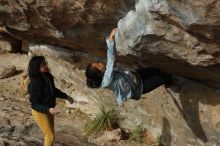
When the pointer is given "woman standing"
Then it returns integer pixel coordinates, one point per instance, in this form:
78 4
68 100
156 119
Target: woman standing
43 94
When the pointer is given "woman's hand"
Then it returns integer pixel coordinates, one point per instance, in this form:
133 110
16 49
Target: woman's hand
53 111
70 99
112 34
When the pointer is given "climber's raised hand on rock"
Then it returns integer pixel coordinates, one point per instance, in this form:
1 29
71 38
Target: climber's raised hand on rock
112 34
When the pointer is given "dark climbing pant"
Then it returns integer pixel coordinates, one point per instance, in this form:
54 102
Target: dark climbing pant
153 78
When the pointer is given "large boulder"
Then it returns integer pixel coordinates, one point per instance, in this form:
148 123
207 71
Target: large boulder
180 37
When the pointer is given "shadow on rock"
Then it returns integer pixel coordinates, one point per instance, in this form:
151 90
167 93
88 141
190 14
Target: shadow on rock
17 72
166 132
190 96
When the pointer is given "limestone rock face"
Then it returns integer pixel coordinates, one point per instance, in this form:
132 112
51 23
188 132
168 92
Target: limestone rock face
77 24
167 34
179 36
183 115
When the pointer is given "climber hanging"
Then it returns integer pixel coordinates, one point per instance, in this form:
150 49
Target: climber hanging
124 84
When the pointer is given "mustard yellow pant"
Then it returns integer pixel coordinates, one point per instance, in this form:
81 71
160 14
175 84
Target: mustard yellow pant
46 124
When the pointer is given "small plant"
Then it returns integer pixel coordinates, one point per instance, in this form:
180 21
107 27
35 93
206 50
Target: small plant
108 119
137 134
159 141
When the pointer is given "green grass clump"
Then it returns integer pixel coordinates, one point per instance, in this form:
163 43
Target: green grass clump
107 119
159 141
137 134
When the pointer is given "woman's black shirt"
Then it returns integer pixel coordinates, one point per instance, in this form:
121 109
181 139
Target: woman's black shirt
43 92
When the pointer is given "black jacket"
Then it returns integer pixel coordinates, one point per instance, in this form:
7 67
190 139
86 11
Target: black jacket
43 92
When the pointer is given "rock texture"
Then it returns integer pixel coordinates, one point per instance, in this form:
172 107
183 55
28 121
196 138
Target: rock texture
168 34
179 36
184 115
78 24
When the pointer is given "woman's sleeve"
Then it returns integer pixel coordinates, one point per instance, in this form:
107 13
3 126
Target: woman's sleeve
111 57
60 94
35 94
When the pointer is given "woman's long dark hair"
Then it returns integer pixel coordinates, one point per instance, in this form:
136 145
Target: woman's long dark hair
34 65
94 77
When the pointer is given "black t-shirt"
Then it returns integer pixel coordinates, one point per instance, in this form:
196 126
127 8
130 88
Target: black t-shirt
43 92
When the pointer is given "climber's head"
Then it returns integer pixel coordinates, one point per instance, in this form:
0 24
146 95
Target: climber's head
98 65
94 74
